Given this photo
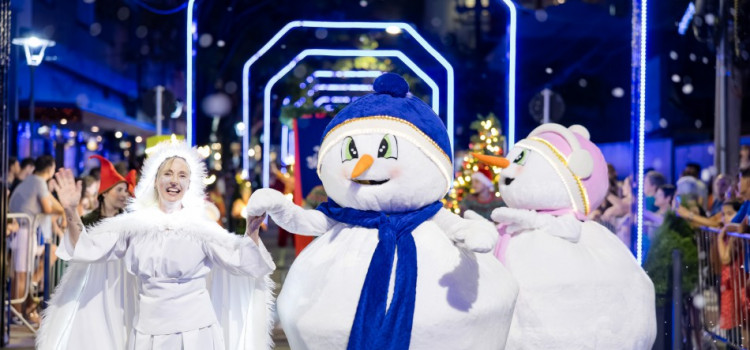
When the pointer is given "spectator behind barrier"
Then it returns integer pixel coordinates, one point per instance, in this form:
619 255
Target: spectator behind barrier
733 302
690 184
663 200
698 219
740 221
744 157
651 183
728 211
14 168
720 193
31 197
27 168
89 194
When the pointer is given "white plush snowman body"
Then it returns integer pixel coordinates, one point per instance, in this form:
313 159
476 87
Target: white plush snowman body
464 299
580 287
381 162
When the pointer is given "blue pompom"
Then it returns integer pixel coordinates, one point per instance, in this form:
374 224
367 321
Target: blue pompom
391 84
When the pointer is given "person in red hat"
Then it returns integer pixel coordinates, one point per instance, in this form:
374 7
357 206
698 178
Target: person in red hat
482 200
114 193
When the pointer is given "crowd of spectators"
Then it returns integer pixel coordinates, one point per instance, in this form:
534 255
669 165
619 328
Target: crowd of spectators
703 220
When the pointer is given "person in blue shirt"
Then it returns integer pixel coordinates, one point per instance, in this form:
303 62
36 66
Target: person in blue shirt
743 194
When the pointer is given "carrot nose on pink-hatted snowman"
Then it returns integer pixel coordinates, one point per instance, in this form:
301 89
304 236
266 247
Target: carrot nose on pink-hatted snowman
580 287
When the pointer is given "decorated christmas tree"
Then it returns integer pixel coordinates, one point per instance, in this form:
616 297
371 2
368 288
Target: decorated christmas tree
487 140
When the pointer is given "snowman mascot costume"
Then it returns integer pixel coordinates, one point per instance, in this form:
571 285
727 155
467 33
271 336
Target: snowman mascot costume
580 287
391 269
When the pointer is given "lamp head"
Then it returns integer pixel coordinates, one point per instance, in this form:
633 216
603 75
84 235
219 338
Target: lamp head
33 48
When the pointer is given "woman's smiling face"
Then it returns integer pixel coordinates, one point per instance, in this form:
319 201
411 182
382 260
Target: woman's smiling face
172 180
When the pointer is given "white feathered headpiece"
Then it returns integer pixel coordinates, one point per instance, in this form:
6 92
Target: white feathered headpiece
145 190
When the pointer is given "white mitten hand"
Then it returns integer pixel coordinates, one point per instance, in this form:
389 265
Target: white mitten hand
477 234
265 200
519 220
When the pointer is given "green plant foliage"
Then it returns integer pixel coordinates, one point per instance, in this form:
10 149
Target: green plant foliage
674 233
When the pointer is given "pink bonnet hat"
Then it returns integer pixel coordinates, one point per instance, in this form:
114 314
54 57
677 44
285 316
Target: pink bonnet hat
576 160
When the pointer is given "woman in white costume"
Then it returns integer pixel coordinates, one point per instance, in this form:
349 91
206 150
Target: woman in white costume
182 295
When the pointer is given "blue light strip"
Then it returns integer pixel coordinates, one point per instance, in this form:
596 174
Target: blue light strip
333 53
331 99
284 143
347 25
686 18
190 117
342 87
639 67
346 73
285 134
322 100
512 59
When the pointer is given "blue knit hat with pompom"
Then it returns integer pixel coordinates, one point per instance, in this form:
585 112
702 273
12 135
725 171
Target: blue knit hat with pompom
393 109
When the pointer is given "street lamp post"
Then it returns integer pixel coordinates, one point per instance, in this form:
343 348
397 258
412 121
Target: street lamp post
34 50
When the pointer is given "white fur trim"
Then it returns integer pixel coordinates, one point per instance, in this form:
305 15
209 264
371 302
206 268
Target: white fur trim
571 185
152 223
145 194
385 125
270 294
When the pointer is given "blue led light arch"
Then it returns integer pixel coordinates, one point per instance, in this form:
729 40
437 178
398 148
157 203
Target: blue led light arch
332 53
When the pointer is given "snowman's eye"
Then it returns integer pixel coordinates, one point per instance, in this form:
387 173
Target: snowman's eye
388 147
521 158
349 149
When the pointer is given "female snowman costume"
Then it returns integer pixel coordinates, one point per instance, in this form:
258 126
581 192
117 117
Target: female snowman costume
391 269
580 287
159 297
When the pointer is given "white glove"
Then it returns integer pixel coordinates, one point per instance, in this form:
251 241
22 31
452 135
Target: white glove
266 201
521 220
476 233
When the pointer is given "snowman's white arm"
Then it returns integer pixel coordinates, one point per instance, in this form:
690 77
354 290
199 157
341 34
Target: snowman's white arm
289 216
519 220
449 223
566 227
306 222
472 232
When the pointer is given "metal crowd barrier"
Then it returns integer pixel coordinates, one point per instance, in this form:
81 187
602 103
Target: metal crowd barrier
25 222
52 273
723 287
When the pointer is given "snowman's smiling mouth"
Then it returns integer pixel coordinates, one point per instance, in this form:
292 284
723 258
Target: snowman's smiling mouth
370 182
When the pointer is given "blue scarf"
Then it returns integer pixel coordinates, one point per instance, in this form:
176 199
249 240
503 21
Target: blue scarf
374 327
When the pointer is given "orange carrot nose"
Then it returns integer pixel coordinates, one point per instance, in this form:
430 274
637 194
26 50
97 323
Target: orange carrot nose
492 160
364 163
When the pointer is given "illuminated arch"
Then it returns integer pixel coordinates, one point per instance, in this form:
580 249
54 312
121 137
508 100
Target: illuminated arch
333 53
